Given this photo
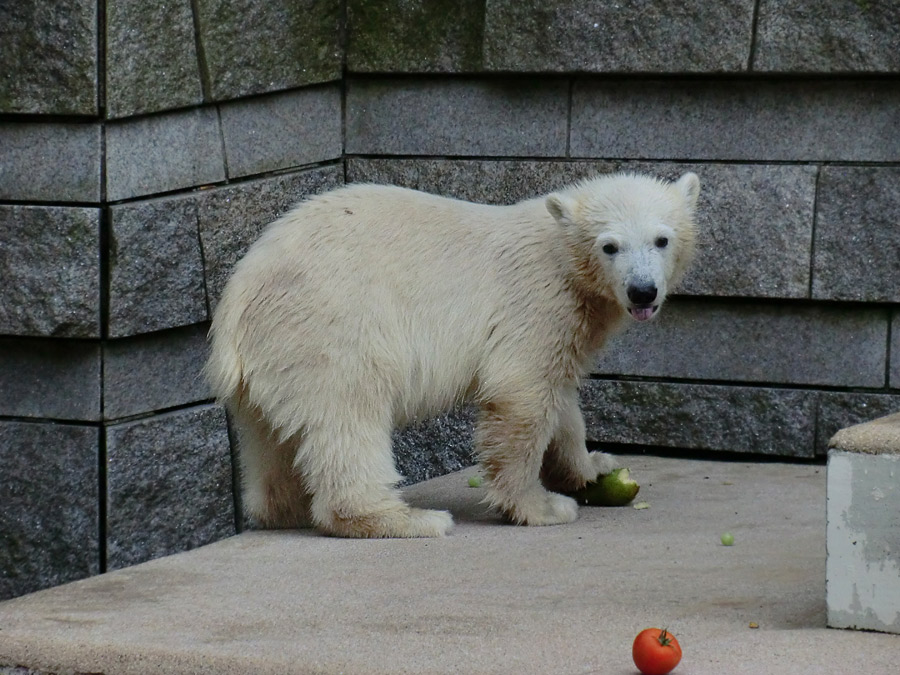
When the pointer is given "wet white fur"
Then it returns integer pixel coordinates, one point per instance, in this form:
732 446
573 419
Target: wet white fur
371 306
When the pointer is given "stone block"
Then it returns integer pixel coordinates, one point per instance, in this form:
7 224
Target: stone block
766 120
663 36
862 572
48 58
827 37
894 376
154 372
700 416
456 117
162 153
55 379
231 218
837 410
282 130
754 342
435 447
414 37
857 246
155 266
50 271
169 485
49 505
746 212
267 45
151 57
50 161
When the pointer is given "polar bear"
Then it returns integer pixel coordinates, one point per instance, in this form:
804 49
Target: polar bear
370 306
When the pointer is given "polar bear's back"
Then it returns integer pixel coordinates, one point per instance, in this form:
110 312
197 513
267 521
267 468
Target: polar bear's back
367 286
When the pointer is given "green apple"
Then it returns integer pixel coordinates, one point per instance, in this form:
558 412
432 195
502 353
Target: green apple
614 489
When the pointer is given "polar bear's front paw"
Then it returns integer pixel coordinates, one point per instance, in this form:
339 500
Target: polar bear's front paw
603 464
540 507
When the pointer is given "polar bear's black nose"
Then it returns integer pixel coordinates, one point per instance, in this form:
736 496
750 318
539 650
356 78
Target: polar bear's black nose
642 294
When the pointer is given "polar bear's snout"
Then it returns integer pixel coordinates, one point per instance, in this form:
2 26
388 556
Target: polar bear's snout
642 297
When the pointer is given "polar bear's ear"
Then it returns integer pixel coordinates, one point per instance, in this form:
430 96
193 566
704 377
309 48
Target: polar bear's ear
562 208
689 187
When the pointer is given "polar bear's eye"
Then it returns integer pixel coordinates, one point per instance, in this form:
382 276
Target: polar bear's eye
662 242
610 249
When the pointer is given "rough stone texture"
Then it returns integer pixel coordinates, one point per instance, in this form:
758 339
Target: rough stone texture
827 37
523 117
857 248
151 57
704 417
895 351
789 120
862 573
414 37
435 447
154 372
231 218
169 485
56 379
664 36
155 267
282 130
49 271
50 161
752 212
48 58
254 47
49 514
720 340
162 153
837 410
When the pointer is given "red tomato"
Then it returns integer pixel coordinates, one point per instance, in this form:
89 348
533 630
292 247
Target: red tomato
655 651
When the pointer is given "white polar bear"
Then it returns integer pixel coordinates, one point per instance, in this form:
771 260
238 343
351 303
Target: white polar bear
370 306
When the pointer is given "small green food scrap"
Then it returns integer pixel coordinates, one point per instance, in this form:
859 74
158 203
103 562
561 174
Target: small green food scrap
727 539
614 489
642 505
476 481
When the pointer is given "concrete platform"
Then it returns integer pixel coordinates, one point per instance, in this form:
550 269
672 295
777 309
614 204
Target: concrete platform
490 598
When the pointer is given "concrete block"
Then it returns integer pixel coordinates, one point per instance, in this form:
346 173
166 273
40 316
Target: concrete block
151 57
169 485
282 130
862 584
267 45
411 37
704 417
49 505
435 447
50 271
231 218
786 344
837 37
162 153
746 212
50 161
155 267
662 36
55 379
48 58
153 372
837 410
456 117
783 120
857 247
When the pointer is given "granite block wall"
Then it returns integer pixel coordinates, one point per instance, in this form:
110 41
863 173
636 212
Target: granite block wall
142 150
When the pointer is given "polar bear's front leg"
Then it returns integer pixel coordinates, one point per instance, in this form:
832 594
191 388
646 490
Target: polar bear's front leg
568 465
511 438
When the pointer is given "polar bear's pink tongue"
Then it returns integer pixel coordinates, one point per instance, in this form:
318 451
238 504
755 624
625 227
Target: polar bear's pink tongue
641 313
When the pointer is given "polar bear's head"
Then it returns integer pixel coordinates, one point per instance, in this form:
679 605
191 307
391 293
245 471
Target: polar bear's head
633 236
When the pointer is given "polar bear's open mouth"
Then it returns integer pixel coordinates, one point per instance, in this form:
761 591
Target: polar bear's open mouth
643 313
